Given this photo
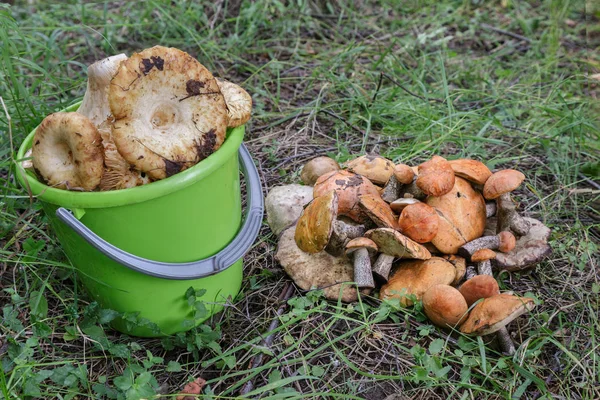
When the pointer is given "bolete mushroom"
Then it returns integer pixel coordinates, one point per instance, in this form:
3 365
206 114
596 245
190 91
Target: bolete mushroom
404 174
419 222
375 168
471 170
239 103
494 313
400 204
528 250
316 167
479 287
504 241
314 226
499 186
378 211
445 306
436 177
169 111
360 250
284 205
460 264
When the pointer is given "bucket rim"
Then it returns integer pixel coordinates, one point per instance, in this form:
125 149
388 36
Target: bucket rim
122 197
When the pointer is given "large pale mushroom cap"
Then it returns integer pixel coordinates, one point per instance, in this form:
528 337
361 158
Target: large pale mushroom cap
461 214
445 306
415 277
377 169
239 103
393 243
169 111
316 167
349 187
436 177
67 151
378 211
479 287
471 170
419 222
494 313
502 182
316 223
284 205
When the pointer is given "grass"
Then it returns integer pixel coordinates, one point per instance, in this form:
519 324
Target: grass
507 82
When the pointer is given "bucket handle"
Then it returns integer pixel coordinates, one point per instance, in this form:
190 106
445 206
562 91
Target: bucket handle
196 269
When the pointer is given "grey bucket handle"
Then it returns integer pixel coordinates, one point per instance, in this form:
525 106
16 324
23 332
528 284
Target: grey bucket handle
196 269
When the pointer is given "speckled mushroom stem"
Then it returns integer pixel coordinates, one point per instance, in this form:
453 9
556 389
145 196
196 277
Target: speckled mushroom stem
391 190
341 234
484 242
504 341
490 209
509 218
382 267
363 275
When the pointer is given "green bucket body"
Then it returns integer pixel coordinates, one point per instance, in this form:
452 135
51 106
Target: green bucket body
187 217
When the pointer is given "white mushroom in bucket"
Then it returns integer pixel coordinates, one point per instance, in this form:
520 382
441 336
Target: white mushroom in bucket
238 101
169 111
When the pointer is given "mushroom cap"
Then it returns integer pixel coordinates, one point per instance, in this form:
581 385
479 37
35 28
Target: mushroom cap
471 170
419 222
67 151
507 241
494 313
483 255
361 243
414 277
169 111
316 167
460 264
349 187
404 174
316 270
284 205
479 287
436 177
238 101
378 211
445 306
529 250
375 168
502 182
393 243
314 226
461 214
399 204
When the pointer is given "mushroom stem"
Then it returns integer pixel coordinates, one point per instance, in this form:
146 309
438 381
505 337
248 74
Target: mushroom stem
341 234
382 267
363 275
412 190
391 190
509 218
490 209
484 242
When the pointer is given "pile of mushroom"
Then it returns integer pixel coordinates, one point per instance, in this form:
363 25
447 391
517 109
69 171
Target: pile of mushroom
142 118
430 233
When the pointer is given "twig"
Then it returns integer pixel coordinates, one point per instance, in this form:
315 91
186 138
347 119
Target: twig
285 294
504 32
409 92
378 87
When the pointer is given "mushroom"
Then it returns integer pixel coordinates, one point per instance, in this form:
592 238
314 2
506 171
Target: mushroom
67 151
378 211
528 250
26 162
483 255
284 205
436 177
316 167
494 313
504 241
403 175
95 100
169 111
414 277
314 226
316 270
398 205
419 222
391 190
344 230
361 249
479 287
499 186
445 306
460 264
377 169
490 209
461 215
238 101
471 170
349 187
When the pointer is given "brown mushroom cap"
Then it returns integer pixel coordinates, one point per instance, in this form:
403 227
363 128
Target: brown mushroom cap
404 174
393 243
349 187
445 306
316 167
460 264
415 277
471 170
461 214
378 211
483 255
507 241
239 103
361 243
377 169
316 223
479 287
494 313
502 182
419 222
436 177
399 204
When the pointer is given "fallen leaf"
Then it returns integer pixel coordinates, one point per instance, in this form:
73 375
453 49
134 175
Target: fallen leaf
194 387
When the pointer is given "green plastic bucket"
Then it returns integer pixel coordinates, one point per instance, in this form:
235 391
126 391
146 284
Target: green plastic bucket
139 250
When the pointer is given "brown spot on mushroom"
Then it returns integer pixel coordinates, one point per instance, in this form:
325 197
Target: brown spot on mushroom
193 87
172 167
206 147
